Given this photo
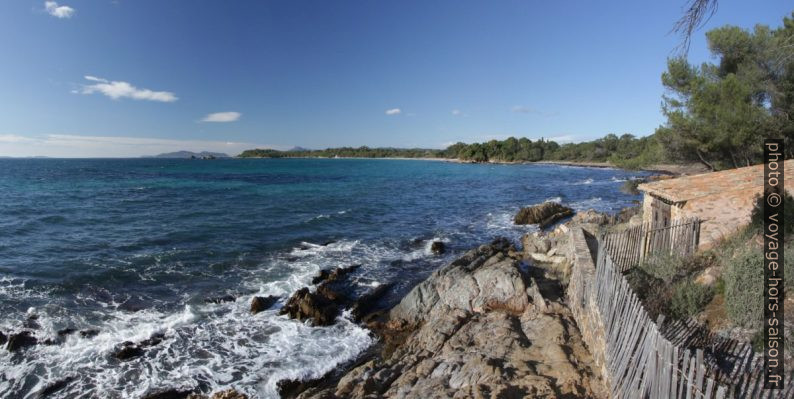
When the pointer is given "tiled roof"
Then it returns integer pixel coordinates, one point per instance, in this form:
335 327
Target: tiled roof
685 188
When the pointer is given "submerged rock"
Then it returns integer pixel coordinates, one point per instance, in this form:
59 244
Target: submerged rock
169 394
438 247
220 299
66 331
55 387
21 340
543 214
333 275
3 338
259 303
128 351
89 333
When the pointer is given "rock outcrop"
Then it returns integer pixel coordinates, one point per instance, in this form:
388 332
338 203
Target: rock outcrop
259 303
543 215
484 326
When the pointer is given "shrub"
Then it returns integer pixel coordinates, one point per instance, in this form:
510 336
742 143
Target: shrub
689 299
757 215
653 292
671 267
744 283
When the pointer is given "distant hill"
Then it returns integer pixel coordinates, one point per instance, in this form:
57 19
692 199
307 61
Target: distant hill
298 149
190 154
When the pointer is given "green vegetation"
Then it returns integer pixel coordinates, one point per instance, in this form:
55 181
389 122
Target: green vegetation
744 280
689 298
626 151
345 152
719 114
757 215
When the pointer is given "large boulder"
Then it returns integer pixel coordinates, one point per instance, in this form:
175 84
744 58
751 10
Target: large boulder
438 247
544 214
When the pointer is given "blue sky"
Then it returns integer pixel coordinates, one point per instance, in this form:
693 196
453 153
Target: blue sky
128 78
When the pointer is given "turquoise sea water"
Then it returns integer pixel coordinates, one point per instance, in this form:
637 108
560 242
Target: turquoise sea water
133 247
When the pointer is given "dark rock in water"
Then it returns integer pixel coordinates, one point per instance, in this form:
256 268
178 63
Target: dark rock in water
293 388
304 304
438 247
320 277
336 274
20 340
543 214
229 394
327 243
220 299
32 322
3 338
155 339
128 351
169 394
364 305
259 303
89 333
66 331
55 387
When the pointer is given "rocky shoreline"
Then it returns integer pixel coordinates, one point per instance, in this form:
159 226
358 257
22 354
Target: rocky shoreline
492 324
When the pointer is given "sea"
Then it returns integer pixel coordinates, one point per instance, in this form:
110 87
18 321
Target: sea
135 248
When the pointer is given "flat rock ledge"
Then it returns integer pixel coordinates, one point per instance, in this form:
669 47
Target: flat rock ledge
484 326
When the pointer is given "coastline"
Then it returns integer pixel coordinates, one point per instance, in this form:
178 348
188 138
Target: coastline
665 169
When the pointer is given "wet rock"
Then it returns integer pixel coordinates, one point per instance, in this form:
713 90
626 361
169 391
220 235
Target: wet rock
320 277
438 247
32 322
55 387
365 304
259 303
21 340
128 351
66 331
543 214
155 339
3 338
220 299
334 275
89 333
306 305
327 243
169 394
227 394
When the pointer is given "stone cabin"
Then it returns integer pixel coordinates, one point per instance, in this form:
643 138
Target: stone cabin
722 200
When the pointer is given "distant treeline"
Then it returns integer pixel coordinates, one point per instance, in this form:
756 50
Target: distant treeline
626 150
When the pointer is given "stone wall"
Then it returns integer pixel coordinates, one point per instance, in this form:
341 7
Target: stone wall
581 297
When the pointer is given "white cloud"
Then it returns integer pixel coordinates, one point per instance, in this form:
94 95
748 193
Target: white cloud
457 112
393 111
57 11
76 146
119 89
222 117
521 109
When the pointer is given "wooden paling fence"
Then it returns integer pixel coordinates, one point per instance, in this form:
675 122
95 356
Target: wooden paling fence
643 362
628 248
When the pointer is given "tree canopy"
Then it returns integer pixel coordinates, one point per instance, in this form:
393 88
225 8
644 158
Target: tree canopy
719 113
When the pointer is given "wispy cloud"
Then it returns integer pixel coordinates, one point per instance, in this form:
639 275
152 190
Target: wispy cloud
118 89
229 116
457 112
393 111
521 109
57 11
75 146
